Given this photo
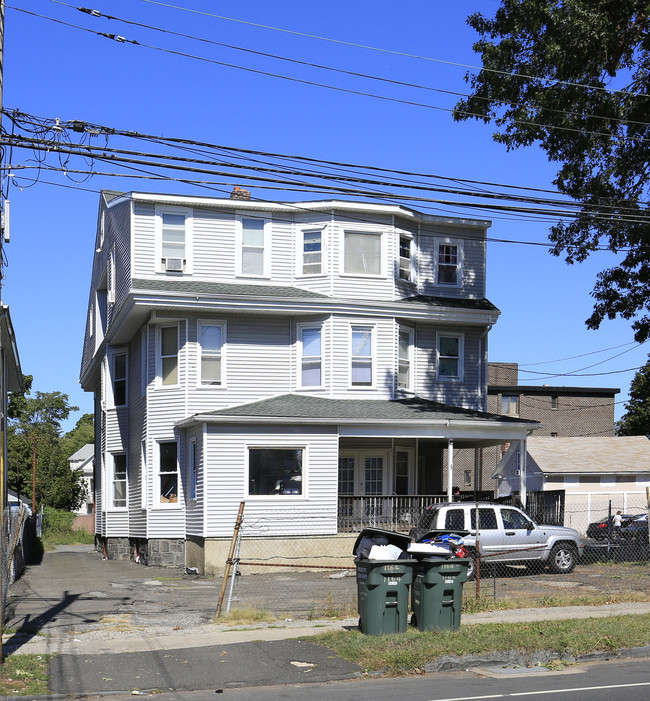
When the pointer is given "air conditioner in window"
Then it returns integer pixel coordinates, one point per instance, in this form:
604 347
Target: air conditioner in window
174 264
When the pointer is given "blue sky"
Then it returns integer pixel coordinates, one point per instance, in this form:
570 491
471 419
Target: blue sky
53 70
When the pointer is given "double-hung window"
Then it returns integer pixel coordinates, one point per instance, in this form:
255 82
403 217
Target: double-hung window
312 252
253 249
168 355
362 253
450 357
211 341
118 480
361 347
405 258
510 405
311 359
174 239
168 472
405 360
275 471
449 261
119 379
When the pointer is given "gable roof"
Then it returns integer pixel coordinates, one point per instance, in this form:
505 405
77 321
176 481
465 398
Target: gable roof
84 453
588 455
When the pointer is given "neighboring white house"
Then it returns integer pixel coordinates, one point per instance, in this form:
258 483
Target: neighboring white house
303 357
83 461
592 472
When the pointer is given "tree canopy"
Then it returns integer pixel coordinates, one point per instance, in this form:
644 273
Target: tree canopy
35 425
636 420
574 77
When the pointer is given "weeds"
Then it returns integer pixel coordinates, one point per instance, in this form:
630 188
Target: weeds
251 614
24 675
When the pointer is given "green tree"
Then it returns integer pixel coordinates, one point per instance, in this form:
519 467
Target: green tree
549 72
35 425
636 420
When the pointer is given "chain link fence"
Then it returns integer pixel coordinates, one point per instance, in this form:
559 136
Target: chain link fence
17 541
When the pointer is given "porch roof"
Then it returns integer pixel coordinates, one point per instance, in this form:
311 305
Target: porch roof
363 416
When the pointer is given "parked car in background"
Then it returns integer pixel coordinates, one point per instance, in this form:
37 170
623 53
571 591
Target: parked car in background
506 535
600 530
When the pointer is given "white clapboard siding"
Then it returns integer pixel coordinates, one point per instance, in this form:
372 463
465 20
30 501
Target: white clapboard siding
144 240
473 247
383 359
137 417
120 218
194 509
214 244
312 513
458 392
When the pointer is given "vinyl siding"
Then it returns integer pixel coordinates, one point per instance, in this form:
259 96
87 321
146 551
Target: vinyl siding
226 466
194 521
144 240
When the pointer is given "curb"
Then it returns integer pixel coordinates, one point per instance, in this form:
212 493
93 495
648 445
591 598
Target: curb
513 658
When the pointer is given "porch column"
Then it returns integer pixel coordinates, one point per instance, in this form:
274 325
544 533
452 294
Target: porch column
450 468
522 471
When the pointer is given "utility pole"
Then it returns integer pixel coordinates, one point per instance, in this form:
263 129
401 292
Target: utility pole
3 386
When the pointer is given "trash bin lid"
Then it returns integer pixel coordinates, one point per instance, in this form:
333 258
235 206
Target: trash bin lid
401 540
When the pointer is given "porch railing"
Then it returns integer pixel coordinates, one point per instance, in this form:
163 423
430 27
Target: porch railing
392 513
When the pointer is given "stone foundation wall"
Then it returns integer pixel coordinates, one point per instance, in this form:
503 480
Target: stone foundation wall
157 552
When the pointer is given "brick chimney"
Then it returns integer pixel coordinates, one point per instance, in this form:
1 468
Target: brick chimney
239 193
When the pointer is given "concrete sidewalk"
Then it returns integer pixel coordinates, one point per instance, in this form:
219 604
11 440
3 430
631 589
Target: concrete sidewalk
119 627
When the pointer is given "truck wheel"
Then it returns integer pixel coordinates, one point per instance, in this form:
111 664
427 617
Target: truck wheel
562 559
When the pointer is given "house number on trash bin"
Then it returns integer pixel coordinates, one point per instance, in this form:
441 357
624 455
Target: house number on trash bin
449 581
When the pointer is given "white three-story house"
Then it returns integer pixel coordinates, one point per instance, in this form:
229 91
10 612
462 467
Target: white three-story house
322 362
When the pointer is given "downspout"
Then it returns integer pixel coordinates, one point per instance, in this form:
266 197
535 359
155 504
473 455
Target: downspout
522 471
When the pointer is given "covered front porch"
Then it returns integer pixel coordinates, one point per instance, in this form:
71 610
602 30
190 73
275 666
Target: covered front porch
388 482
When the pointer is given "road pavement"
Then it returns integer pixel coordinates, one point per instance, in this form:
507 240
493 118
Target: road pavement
119 627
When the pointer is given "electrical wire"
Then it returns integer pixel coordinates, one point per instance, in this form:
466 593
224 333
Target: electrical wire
401 53
412 103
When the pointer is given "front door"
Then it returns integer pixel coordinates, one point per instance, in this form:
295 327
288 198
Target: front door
363 476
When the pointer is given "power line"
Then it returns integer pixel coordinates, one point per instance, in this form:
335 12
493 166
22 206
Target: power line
399 53
98 14
413 103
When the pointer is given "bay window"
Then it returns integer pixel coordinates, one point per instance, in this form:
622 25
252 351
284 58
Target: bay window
211 341
449 357
310 356
168 472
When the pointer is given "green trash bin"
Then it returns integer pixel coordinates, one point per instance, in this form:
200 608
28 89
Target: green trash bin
437 593
383 586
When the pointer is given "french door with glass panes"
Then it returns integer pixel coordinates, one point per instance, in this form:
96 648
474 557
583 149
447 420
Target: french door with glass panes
365 475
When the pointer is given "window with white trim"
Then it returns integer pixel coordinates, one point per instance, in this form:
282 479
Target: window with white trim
361 356
275 471
168 355
311 359
168 472
450 357
174 239
211 342
312 252
118 481
119 377
449 259
253 246
405 258
362 253
405 360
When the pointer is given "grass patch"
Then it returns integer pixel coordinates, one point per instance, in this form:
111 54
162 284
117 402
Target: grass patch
239 616
473 605
24 675
330 608
409 652
57 530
